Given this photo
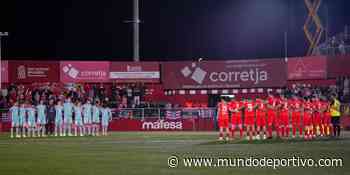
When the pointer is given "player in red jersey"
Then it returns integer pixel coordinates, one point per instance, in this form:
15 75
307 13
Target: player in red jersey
297 108
236 107
272 119
261 118
223 119
326 119
284 117
318 110
307 119
249 115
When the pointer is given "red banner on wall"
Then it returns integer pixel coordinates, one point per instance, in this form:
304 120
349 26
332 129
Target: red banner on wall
4 72
224 74
307 68
338 66
131 72
199 124
84 71
33 71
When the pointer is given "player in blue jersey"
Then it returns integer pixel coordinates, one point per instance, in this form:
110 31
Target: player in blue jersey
95 118
31 123
41 122
59 119
14 110
68 120
87 112
106 118
22 119
78 119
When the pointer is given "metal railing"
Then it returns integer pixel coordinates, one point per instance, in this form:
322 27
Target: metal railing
161 113
147 113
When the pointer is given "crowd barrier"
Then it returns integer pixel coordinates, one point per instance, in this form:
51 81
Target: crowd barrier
150 119
162 119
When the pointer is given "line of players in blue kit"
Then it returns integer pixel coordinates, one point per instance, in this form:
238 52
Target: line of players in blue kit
86 119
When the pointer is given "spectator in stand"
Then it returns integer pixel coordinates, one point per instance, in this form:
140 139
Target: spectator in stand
12 93
114 92
137 95
101 91
129 94
36 97
3 102
188 104
341 47
94 91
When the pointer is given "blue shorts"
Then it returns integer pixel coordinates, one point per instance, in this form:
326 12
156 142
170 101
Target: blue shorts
58 121
41 121
15 122
95 120
87 120
21 121
79 122
31 122
105 122
68 120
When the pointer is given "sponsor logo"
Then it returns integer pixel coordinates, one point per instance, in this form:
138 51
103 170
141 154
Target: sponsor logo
70 71
133 68
299 70
74 73
254 75
197 74
21 72
161 124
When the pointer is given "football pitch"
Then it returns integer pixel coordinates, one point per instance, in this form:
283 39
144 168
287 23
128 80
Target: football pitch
147 153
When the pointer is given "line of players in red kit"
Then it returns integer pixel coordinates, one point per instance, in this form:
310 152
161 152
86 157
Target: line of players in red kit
257 118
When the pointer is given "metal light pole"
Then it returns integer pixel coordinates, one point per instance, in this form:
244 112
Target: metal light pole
136 31
2 34
286 46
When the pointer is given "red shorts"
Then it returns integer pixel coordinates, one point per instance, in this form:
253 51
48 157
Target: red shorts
223 122
284 119
317 119
271 118
249 118
236 119
296 118
307 120
326 120
260 118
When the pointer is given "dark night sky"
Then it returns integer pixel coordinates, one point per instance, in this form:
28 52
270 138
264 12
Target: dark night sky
171 29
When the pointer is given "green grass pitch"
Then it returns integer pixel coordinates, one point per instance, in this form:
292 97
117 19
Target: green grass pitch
146 153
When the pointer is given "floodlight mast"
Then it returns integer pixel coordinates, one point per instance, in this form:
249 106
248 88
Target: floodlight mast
136 32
